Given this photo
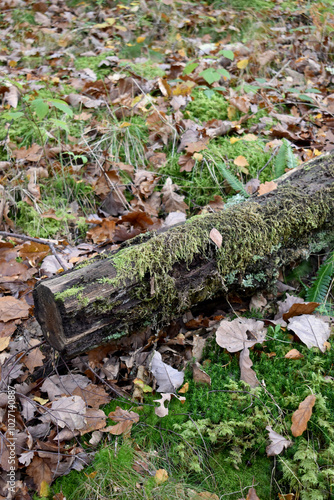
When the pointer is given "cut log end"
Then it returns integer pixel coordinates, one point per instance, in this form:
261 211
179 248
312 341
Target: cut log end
48 315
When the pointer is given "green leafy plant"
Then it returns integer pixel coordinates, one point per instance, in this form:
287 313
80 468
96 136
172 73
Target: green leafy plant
323 282
284 159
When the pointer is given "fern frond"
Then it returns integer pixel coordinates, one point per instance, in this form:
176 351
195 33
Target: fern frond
232 180
284 159
319 289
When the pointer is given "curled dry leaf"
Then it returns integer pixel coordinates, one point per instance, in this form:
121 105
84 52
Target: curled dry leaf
200 376
294 354
278 443
267 187
161 476
216 237
301 416
247 374
314 332
299 309
169 379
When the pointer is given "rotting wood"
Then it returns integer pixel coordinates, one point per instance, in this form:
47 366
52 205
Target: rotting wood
161 275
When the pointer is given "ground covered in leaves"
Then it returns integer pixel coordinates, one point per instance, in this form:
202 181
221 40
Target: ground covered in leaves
118 118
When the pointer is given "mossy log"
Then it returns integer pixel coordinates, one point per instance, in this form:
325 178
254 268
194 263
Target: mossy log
160 275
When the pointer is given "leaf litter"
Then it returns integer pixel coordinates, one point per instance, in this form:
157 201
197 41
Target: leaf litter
71 402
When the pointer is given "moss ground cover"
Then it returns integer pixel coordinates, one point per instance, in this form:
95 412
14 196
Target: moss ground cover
217 439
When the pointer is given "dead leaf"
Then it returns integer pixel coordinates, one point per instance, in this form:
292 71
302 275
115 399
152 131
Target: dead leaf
247 374
294 354
216 237
12 96
240 333
251 495
200 376
173 202
125 420
301 416
267 187
11 308
67 412
168 379
314 332
161 476
300 308
278 443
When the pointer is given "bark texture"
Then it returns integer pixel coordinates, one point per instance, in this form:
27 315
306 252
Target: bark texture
158 276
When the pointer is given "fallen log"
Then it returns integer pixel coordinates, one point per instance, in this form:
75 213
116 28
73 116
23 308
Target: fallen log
162 275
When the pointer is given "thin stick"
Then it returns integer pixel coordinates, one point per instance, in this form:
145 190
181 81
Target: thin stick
50 243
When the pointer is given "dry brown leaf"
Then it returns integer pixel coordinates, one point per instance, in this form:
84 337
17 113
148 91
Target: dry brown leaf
301 416
252 495
216 237
267 187
247 374
294 354
125 420
200 376
298 308
33 359
278 443
11 308
173 201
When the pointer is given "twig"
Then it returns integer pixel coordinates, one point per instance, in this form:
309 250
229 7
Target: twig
50 243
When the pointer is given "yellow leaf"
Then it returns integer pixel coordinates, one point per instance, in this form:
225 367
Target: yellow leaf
161 476
121 6
184 388
91 475
182 53
4 341
317 152
12 64
125 124
232 112
241 161
140 39
41 401
44 489
233 140
198 156
110 20
178 37
242 64
120 28
327 345
249 137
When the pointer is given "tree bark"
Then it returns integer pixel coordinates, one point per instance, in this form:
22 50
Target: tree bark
160 275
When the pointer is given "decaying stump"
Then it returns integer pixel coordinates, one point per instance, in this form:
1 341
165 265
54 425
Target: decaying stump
152 281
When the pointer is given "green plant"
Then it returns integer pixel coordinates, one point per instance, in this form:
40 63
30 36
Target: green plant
284 159
323 282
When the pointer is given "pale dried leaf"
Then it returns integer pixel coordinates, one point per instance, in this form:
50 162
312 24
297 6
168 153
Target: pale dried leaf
168 379
239 333
294 354
278 443
12 96
247 374
284 306
314 332
67 411
266 187
173 201
216 237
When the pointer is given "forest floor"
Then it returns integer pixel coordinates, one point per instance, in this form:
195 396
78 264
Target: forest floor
118 118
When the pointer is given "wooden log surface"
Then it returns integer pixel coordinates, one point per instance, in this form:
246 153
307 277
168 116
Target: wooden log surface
161 275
